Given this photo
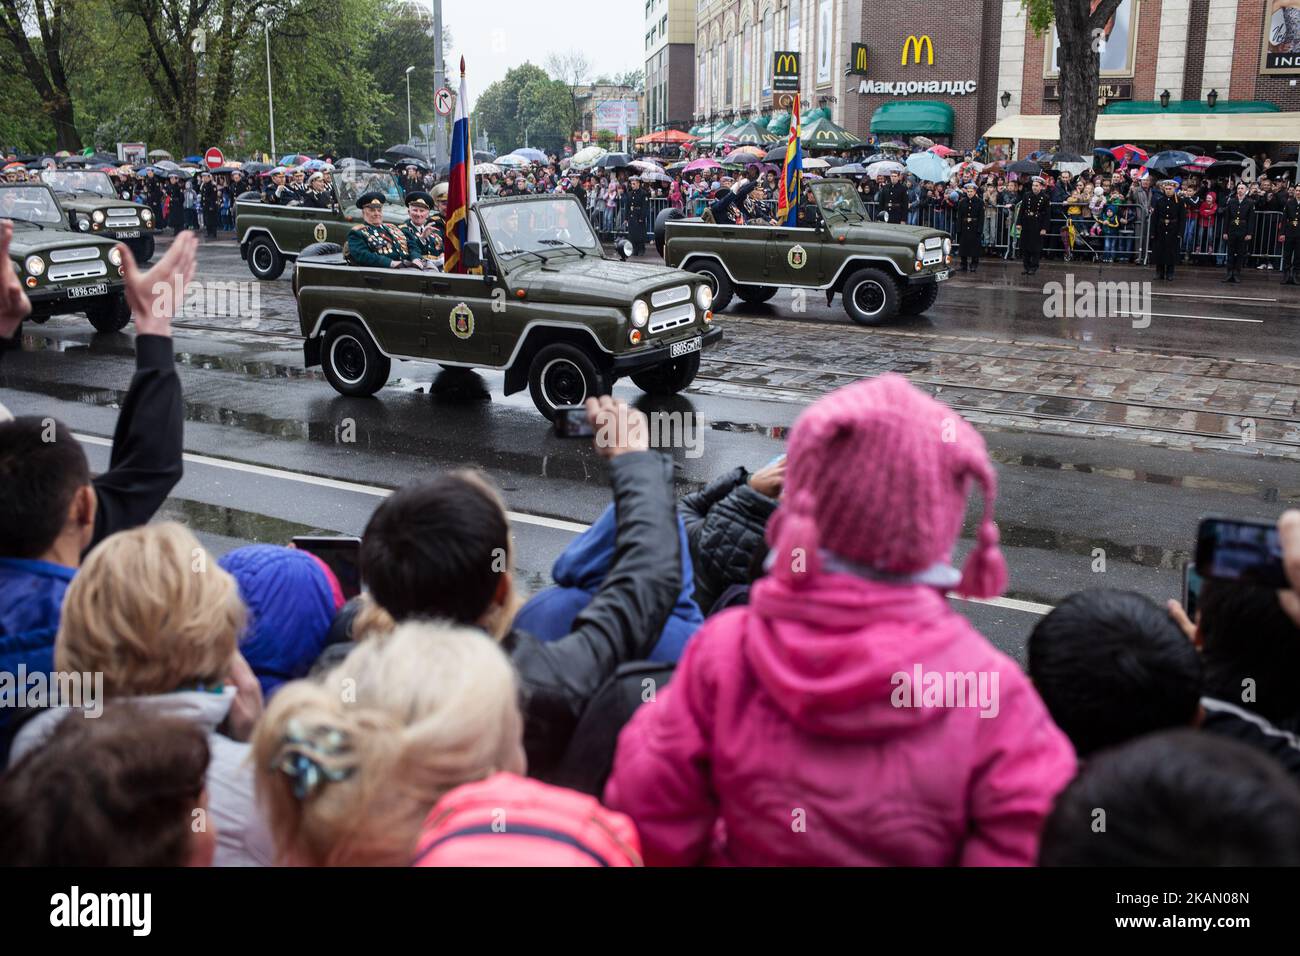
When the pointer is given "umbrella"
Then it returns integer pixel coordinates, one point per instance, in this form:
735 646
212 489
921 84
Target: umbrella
193 159
922 142
613 161
885 168
166 164
892 144
1169 159
822 133
812 162
744 155
1287 170
968 166
647 165
704 162
318 164
482 156
442 170
941 150
401 149
1026 166
850 169
511 160
1057 159
655 176
1229 167
834 161
1128 153
675 167
751 132
776 154
530 153
159 154
486 169
1200 162
226 170
928 167
587 155
294 159
404 163
253 168
876 158
667 136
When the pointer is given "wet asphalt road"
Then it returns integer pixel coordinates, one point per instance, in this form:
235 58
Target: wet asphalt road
1111 441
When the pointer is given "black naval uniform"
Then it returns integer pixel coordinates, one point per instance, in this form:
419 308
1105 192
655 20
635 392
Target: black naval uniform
1168 216
1290 241
892 201
1237 217
1035 216
176 207
317 199
970 226
637 209
210 201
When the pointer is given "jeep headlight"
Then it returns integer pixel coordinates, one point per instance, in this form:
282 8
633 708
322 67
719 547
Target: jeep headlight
920 251
704 296
115 256
146 215
97 215
34 265
640 313
947 247
83 223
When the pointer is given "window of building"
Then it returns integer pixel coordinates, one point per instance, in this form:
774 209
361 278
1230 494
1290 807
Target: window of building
792 34
663 24
765 53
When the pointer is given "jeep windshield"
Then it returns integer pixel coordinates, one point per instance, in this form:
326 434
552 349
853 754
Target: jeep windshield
539 226
79 181
30 204
839 199
354 183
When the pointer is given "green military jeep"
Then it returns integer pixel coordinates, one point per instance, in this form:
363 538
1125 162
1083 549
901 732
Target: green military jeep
94 207
880 269
549 309
62 270
270 235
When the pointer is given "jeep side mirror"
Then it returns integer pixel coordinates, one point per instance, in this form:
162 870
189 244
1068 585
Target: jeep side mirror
624 249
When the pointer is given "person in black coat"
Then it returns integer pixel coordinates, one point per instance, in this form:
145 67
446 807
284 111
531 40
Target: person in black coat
892 199
1168 216
210 202
725 523
1238 214
175 204
1291 236
638 209
441 548
1035 217
969 227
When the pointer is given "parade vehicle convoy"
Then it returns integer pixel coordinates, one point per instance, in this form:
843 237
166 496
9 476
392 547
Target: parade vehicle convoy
271 235
879 269
62 270
94 207
549 309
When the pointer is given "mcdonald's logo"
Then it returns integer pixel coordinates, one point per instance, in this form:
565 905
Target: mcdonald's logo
785 72
916 44
858 55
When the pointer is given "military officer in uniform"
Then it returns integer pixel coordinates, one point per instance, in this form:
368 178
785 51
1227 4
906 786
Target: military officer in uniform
423 237
1168 216
276 192
375 243
638 207
439 215
318 195
1035 216
1238 213
1291 237
210 203
970 226
892 199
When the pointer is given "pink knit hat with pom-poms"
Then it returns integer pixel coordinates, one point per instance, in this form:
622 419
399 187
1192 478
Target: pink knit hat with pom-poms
878 473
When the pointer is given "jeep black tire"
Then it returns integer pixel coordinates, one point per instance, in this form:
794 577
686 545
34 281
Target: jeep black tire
670 377
918 300
670 214
870 297
112 315
756 294
351 361
563 374
264 260
718 282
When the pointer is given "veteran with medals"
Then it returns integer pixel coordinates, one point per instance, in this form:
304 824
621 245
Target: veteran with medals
375 243
423 235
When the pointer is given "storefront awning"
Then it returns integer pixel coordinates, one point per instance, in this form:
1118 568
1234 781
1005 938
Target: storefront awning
913 116
1159 127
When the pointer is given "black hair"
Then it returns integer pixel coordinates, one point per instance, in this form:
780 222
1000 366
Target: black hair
1246 636
437 549
1178 798
41 467
1111 665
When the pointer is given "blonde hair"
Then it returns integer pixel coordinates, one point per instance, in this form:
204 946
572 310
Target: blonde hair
152 611
347 769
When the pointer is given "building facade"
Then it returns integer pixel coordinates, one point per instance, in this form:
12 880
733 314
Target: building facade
669 63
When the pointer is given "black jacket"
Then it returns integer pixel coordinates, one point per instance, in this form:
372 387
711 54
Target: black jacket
622 622
725 523
1228 720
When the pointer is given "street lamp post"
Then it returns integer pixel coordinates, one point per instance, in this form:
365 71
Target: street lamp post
408 102
270 103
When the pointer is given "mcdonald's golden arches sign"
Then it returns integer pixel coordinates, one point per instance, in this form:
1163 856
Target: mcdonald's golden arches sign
785 70
858 59
915 44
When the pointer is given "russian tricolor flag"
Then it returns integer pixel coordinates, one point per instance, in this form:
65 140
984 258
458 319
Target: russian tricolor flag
462 228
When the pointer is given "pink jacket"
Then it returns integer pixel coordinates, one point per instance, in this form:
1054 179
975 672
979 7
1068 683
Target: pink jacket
780 742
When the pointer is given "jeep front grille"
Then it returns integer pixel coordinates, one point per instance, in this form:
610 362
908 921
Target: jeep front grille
681 293
666 319
123 211
78 270
932 258
74 255
934 242
122 222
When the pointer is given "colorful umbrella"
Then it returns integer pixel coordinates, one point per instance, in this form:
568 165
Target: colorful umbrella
294 159
941 150
969 166
704 162
745 154
1200 162
928 167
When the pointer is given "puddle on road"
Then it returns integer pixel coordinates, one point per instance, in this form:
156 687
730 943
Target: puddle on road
235 523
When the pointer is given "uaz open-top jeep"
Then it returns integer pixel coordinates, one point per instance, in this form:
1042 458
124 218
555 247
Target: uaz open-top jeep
549 309
880 269
270 235
62 270
93 207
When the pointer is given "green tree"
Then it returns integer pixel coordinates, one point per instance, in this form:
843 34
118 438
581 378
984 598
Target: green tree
1081 28
43 57
499 111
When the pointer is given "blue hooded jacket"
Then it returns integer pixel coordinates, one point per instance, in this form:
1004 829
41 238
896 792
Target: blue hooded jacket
578 573
291 602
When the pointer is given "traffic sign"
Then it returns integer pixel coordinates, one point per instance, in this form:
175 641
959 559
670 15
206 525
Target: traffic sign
443 101
213 158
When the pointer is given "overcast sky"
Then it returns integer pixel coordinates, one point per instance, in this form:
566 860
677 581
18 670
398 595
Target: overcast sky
495 35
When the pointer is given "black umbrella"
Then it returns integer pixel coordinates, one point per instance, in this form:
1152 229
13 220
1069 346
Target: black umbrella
875 158
417 163
834 161
382 163
776 154
1024 166
252 168
1053 158
850 169
442 170
1228 155
482 156
401 149
613 161
1287 170
1227 167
